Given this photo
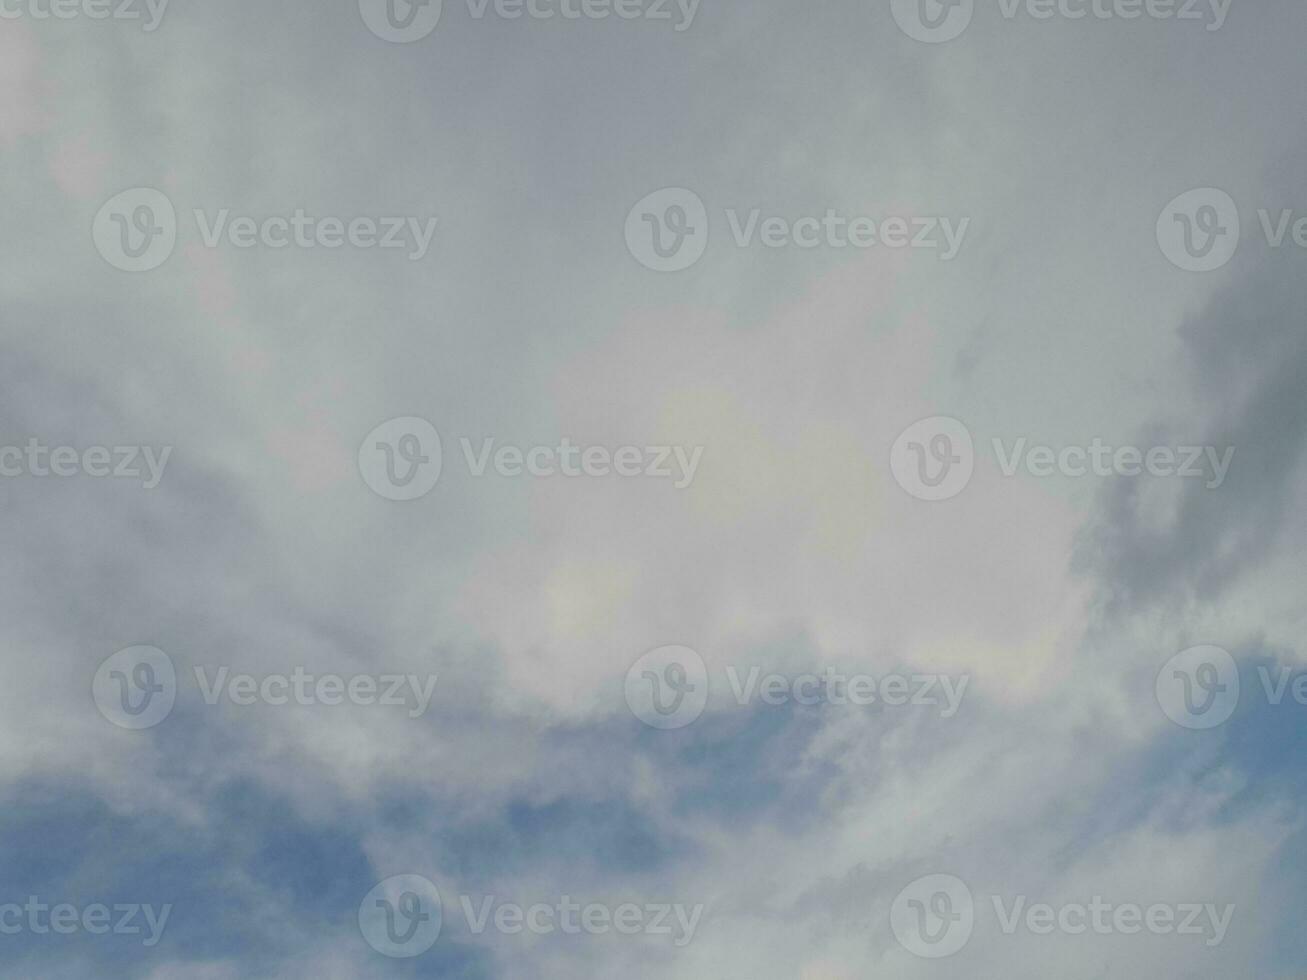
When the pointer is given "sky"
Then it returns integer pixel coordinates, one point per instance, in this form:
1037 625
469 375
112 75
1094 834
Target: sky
653 489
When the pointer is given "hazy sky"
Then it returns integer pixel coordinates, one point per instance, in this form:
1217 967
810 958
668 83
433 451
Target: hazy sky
809 485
